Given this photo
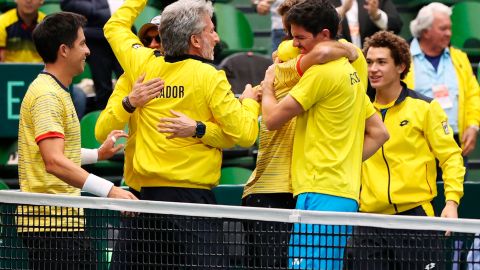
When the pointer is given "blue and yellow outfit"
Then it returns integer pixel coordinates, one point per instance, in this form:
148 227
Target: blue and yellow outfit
326 172
16 38
419 134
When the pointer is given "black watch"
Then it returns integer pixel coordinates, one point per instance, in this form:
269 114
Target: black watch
200 130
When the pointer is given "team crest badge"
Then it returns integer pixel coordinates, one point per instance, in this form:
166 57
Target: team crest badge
445 127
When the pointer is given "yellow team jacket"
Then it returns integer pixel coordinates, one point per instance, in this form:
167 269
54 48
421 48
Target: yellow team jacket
114 116
192 87
468 90
402 174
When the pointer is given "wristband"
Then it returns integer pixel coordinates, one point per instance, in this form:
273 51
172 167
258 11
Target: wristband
89 156
127 105
97 185
474 127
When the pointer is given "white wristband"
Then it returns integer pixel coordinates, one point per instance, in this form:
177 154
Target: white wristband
97 185
89 156
474 127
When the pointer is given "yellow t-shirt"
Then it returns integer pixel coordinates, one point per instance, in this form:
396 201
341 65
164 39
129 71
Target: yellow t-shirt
272 173
16 38
327 151
47 111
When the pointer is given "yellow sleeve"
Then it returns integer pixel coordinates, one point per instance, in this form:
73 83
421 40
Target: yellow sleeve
114 115
3 31
409 79
237 120
440 137
286 76
369 109
127 47
47 112
215 137
315 84
472 95
360 65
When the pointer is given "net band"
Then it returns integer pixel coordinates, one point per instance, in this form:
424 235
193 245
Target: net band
246 213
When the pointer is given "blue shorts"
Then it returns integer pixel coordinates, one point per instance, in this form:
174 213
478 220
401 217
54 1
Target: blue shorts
315 246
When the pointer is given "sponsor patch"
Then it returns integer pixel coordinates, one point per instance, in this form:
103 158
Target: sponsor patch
445 127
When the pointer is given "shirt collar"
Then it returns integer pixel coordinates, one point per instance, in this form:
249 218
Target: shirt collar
55 78
178 58
415 49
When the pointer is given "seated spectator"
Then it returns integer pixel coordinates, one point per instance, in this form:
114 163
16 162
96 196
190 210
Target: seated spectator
16 27
16 43
362 18
149 36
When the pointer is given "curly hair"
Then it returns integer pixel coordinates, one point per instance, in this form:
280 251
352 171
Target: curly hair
399 49
284 7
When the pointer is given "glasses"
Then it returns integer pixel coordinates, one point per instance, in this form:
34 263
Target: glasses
148 40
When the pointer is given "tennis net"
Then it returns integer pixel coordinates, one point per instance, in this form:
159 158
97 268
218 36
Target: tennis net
41 231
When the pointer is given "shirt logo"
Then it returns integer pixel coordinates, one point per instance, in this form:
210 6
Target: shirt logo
445 127
136 46
430 266
403 123
297 261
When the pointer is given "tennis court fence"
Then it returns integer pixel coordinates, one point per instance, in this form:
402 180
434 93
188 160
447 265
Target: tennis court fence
41 231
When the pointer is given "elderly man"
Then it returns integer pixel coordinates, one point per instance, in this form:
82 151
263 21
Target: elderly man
444 73
180 169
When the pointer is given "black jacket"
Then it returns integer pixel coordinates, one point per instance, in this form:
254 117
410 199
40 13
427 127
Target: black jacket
97 13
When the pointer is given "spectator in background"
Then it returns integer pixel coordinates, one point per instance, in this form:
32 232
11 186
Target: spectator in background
49 150
444 73
264 7
16 27
102 61
419 134
149 35
114 116
16 43
362 18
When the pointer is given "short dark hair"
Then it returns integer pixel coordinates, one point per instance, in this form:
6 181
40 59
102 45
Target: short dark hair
56 29
314 16
399 49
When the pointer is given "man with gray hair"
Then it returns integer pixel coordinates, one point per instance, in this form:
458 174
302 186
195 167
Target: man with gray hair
177 168
444 73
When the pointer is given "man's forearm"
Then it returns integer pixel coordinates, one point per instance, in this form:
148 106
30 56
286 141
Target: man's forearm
122 40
